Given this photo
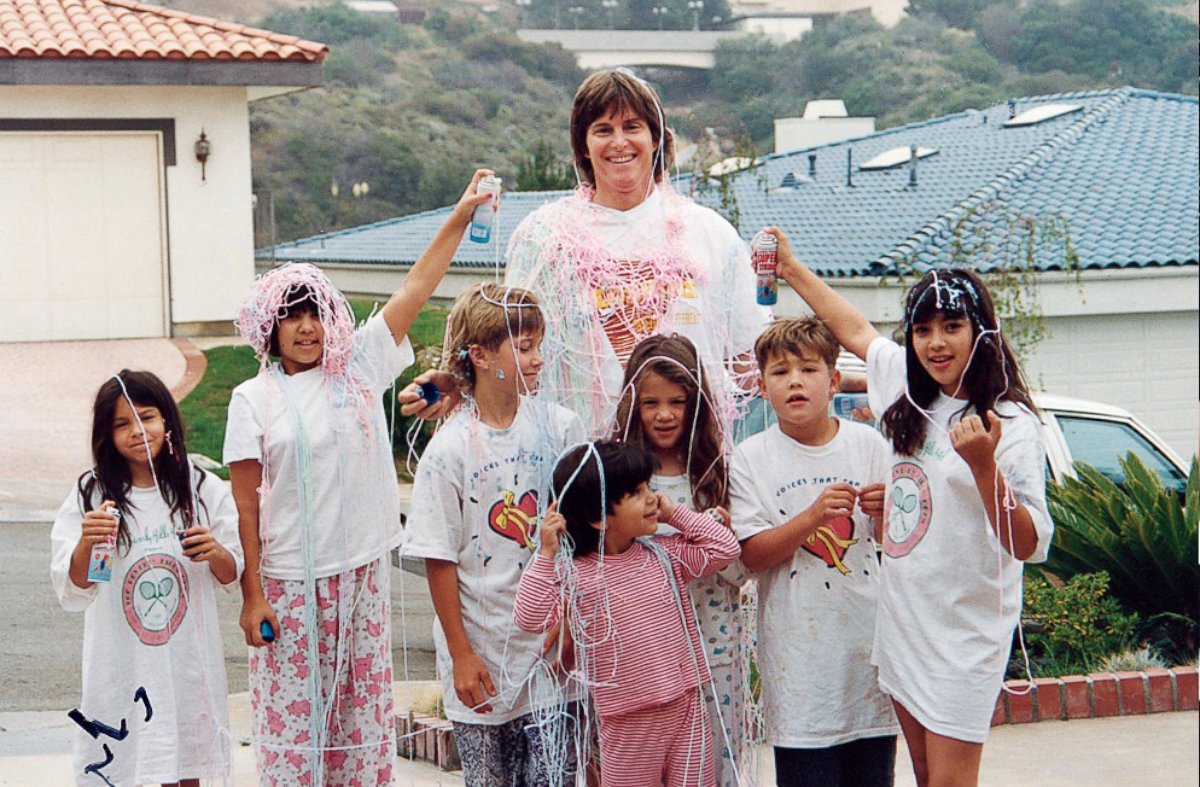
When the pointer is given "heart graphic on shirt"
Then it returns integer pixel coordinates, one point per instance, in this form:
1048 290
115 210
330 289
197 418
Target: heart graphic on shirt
516 521
830 542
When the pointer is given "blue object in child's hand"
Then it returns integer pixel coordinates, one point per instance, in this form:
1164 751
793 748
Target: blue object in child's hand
430 393
268 633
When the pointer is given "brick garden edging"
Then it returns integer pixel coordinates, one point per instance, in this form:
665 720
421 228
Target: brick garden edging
1099 695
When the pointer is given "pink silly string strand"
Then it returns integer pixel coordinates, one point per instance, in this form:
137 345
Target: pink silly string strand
274 294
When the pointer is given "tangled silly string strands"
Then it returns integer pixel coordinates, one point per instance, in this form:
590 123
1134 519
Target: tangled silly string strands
275 295
605 288
272 297
600 630
960 295
696 377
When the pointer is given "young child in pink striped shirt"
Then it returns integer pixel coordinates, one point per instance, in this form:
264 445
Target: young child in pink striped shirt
634 626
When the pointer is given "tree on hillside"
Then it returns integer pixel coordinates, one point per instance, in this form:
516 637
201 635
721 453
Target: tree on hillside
542 171
1123 41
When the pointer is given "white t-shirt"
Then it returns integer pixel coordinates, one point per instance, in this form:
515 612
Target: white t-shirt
950 594
608 277
478 497
152 627
716 596
816 610
325 459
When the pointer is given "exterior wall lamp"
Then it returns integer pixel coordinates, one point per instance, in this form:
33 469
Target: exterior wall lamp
203 150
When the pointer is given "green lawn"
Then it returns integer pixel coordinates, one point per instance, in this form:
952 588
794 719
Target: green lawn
204 408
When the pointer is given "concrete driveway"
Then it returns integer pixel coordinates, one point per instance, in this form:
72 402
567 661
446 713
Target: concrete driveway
45 411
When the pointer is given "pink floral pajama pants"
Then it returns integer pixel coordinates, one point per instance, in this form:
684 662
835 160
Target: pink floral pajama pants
322 707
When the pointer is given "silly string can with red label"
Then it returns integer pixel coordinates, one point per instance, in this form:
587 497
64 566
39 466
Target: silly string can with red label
764 256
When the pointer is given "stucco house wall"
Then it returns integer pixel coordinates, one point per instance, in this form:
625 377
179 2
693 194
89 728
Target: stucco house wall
209 240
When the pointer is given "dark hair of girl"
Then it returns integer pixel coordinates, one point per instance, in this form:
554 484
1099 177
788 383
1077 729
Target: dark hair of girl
300 299
608 471
110 478
674 359
992 374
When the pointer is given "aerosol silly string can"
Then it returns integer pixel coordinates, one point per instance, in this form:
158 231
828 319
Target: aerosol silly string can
764 257
101 560
481 220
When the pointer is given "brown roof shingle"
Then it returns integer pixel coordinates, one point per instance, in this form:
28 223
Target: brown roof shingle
106 29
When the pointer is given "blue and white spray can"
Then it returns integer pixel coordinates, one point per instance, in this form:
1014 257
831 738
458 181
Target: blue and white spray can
764 255
100 561
482 219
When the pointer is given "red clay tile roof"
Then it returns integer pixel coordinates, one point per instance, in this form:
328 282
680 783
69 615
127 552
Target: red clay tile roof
107 29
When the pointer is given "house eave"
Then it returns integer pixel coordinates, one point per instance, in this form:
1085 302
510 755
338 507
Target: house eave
285 75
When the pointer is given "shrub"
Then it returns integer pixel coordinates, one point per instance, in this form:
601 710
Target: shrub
1070 629
1144 658
1142 537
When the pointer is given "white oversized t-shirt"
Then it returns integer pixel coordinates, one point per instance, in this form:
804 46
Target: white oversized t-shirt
665 266
328 461
950 594
477 500
152 627
816 610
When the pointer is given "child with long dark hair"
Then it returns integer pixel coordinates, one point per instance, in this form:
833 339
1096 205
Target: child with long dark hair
152 655
666 406
966 506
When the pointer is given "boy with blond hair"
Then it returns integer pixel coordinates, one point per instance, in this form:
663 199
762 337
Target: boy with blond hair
804 493
480 491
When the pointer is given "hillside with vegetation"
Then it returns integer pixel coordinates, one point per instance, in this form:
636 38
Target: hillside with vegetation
410 111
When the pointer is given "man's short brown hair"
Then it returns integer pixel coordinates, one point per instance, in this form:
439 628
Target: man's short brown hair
620 90
798 337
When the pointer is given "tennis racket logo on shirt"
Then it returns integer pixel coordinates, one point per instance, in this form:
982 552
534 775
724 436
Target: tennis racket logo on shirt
830 542
515 520
910 510
154 596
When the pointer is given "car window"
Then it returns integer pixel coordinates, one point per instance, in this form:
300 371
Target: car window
1101 444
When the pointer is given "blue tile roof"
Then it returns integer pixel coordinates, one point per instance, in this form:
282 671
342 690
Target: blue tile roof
1120 179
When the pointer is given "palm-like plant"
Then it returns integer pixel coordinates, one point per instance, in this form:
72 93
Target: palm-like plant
1141 536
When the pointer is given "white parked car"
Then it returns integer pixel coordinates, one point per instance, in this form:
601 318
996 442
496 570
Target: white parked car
1077 430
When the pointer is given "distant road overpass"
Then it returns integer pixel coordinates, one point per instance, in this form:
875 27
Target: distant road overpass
596 49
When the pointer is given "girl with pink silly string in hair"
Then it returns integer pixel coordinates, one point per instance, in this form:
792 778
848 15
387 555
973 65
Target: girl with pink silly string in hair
315 485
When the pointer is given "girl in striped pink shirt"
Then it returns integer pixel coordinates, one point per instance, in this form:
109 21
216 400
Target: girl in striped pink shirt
623 589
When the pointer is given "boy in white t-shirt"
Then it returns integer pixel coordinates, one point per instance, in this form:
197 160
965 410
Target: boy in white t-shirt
480 491
794 494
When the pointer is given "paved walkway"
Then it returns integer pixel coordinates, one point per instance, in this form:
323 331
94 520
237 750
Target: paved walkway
1145 750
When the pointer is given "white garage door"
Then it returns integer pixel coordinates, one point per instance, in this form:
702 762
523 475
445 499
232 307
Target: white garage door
81 238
